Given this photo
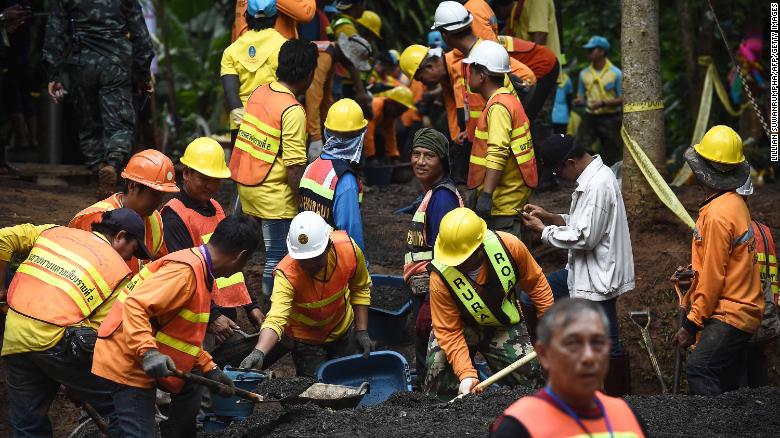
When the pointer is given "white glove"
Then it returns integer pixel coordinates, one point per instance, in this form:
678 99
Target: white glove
466 385
237 115
315 149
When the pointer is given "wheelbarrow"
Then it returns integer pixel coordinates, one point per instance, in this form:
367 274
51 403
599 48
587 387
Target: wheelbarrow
386 371
642 320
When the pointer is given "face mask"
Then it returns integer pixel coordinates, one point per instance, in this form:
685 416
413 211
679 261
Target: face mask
349 149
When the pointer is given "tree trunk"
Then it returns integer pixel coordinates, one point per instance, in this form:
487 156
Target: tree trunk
641 83
688 46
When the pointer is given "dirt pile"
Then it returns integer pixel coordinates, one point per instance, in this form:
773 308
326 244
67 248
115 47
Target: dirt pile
388 297
280 388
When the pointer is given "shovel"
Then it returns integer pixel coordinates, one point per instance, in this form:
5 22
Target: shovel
503 373
642 320
219 387
681 314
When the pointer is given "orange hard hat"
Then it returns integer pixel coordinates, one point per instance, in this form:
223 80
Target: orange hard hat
152 169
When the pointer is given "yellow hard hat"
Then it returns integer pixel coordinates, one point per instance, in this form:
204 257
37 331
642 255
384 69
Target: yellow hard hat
461 232
721 144
371 21
411 58
207 157
345 116
402 95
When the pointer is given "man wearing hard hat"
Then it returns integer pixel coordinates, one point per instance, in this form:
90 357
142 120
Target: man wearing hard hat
149 175
726 302
387 108
329 186
476 274
370 25
320 299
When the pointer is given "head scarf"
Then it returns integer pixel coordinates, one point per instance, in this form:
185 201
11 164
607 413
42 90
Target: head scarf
344 148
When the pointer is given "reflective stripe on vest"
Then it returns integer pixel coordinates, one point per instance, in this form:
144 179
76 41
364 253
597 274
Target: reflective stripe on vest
768 273
464 289
319 307
181 337
259 136
318 187
67 275
520 144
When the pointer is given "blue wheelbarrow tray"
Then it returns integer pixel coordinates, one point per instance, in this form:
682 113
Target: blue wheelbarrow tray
388 326
387 372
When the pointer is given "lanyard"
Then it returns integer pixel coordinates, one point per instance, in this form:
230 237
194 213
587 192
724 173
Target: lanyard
207 255
570 412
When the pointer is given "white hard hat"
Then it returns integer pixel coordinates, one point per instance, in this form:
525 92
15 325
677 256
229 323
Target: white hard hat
308 237
490 55
451 16
746 189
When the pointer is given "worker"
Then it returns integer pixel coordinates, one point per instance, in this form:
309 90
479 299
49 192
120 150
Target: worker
369 25
349 11
387 108
251 60
330 185
290 12
573 348
383 76
353 53
543 62
320 299
726 301
766 255
485 24
102 52
502 167
189 220
564 94
600 90
531 20
58 297
270 152
157 326
595 232
430 163
149 175
474 276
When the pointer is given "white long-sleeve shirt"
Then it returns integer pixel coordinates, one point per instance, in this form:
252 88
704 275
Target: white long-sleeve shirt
600 263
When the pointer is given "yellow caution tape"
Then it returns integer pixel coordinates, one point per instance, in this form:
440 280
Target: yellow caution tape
636 107
655 179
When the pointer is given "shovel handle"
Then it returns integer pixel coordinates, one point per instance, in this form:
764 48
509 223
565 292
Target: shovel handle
96 418
200 380
678 355
503 373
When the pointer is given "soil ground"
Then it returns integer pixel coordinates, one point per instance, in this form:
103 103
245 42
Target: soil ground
657 251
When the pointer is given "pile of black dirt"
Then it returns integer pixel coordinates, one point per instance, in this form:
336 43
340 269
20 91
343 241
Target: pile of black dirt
389 297
277 389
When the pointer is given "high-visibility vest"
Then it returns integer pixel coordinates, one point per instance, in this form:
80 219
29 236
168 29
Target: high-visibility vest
317 191
537 57
484 305
67 275
153 234
420 250
766 256
318 307
340 20
543 419
260 135
521 144
180 338
230 291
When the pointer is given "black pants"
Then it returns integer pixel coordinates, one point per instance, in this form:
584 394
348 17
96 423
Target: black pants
544 87
717 363
605 128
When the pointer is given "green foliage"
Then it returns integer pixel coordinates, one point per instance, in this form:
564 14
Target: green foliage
404 22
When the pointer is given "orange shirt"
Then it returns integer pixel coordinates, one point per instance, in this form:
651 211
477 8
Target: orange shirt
388 131
445 314
453 64
723 254
289 14
485 24
411 116
161 296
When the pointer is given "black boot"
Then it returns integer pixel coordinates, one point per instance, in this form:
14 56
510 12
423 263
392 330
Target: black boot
618 381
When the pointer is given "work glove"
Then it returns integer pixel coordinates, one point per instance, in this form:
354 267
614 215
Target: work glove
315 149
365 342
466 385
254 361
156 364
237 115
484 205
420 283
218 375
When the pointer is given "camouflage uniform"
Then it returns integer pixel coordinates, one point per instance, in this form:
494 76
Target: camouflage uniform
500 346
98 48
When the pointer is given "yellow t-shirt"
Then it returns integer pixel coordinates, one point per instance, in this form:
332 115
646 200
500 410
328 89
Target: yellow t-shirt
274 199
539 16
358 294
511 191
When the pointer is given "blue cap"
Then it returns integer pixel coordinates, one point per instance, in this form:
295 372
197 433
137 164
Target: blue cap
261 8
597 41
435 39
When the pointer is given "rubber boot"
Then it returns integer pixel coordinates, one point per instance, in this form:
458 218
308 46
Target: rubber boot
618 381
107 178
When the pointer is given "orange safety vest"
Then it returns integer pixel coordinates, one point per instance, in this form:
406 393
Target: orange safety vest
67 275
230 291
521 143
318 307
180 338
317 190
543 419
153 223
259 138
538 58
420 250
766 256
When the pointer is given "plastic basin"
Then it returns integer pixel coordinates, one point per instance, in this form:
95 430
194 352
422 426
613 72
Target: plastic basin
378 175
388 326
230 406
386 372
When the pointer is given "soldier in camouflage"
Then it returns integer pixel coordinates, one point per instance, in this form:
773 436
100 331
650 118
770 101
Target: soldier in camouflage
98 50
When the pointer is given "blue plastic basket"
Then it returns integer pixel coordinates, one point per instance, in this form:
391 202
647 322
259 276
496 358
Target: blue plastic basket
388 326
230 406
386 371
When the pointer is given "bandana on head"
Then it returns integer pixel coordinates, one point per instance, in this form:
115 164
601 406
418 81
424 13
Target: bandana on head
342 148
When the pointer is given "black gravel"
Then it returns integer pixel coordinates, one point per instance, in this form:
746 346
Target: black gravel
280 388
388 297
